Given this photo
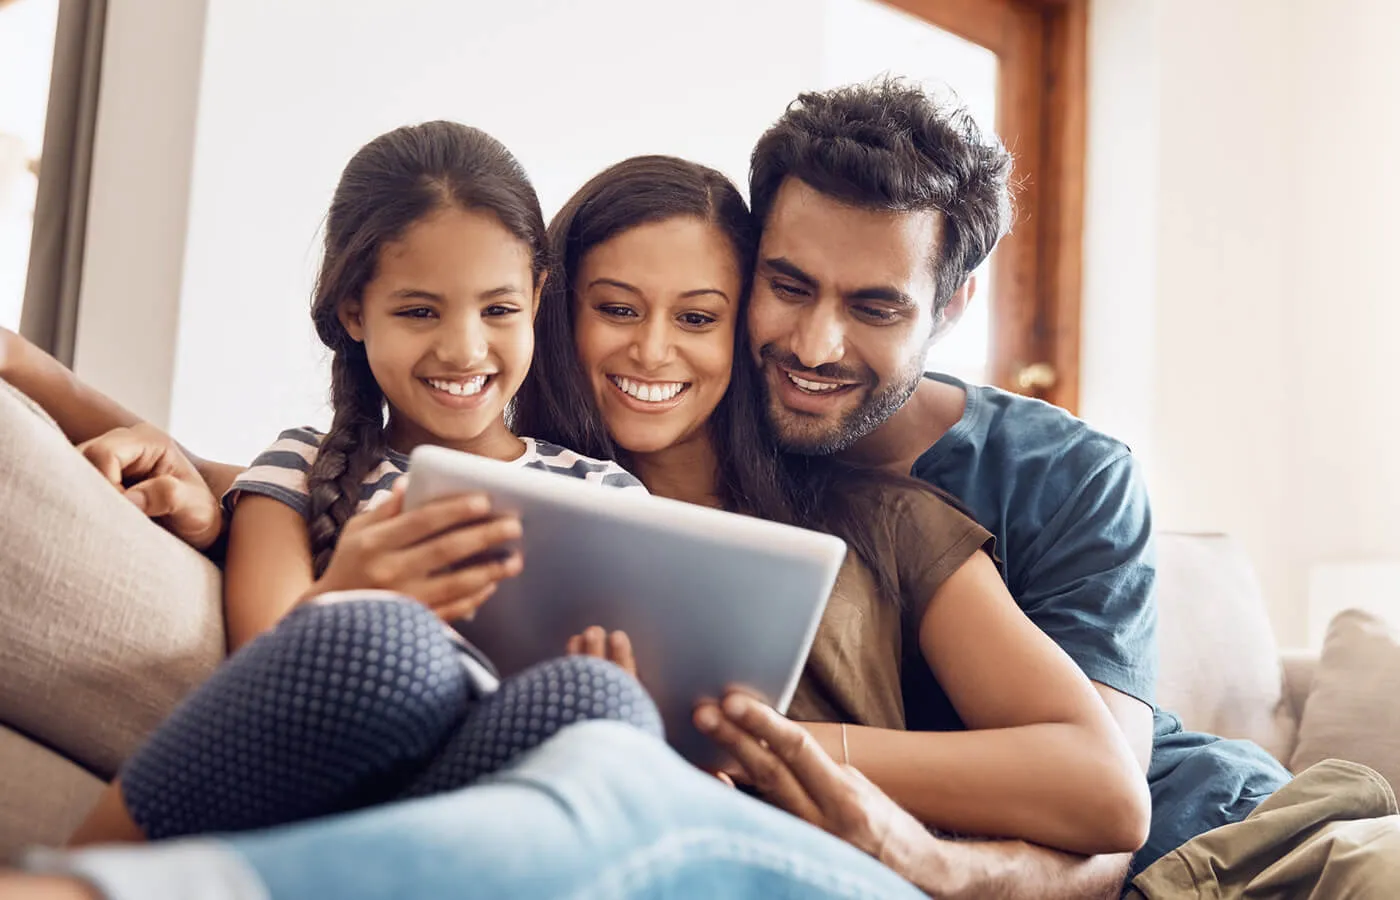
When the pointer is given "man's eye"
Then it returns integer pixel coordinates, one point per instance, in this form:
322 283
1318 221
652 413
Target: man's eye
876 313
782 289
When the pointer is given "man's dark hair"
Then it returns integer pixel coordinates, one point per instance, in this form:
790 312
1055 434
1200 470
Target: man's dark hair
889 145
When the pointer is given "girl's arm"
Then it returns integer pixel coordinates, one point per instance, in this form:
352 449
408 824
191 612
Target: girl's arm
267 569
1042 759
420 554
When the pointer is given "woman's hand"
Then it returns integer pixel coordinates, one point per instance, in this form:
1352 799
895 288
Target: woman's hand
151 471
423 553
615 647
791 770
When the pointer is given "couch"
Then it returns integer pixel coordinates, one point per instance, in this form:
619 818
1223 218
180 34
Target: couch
102 630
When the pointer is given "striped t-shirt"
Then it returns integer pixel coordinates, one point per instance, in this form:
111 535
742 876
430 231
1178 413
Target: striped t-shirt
280 471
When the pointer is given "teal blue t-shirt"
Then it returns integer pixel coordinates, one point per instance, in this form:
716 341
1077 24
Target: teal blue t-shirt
1073 530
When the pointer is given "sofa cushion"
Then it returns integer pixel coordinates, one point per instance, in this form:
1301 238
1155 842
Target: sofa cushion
1219 662
1352 710
45 795
106 620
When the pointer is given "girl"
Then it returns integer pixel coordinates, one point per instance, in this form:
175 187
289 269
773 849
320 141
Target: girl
434 261
645 359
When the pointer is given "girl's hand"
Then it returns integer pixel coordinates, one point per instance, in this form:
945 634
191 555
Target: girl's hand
616 647
422 553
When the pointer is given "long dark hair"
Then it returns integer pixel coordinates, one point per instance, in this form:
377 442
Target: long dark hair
393 181
555 402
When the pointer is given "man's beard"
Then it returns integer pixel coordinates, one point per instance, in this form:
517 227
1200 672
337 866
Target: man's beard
880 402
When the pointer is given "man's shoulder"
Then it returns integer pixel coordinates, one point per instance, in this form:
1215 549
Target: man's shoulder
1007 434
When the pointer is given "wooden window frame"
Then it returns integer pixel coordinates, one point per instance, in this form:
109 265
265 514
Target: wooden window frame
1042 60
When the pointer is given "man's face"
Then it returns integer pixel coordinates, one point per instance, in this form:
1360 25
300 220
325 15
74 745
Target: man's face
841 315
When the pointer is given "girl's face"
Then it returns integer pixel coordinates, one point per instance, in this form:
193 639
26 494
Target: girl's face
657 308
447 324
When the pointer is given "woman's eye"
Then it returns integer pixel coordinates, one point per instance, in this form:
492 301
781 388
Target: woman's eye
617 311
696 319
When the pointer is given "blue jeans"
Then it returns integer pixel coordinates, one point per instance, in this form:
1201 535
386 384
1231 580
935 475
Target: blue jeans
602 810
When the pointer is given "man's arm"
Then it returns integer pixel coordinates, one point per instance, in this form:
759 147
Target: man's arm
790 768
1015 870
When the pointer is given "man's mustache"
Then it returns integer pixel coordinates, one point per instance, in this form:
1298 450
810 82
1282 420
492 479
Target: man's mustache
829 371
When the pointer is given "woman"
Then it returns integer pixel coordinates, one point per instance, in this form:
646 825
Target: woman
644 359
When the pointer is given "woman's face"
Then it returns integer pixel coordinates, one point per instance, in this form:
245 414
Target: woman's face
657 308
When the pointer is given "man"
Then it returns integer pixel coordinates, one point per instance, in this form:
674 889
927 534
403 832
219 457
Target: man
877 205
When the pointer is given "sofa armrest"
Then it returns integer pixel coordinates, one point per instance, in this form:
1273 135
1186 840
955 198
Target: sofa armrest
1299 669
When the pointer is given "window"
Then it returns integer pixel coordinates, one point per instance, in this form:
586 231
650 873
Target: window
27 30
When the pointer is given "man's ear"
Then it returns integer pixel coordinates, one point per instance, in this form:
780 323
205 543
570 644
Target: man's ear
957 305
539 292
350 315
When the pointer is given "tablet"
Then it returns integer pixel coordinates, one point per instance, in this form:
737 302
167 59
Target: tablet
711 600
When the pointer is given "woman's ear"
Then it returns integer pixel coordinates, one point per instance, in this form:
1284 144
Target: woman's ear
350 317
539 292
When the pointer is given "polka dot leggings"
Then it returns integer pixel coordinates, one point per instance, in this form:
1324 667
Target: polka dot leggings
349 704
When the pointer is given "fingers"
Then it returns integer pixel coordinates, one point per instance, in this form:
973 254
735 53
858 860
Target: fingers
396 529
819 774
449 549
118 453
620 652
767 771
615 647
189 510
466 607
381 508
460 593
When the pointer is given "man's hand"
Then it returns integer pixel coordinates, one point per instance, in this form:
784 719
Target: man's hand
789 768
151 471
615 647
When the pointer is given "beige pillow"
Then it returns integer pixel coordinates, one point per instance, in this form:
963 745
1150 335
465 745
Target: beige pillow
1353 712
106 620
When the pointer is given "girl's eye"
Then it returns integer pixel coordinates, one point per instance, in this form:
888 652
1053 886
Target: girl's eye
617 311
496 310
696 319
415 312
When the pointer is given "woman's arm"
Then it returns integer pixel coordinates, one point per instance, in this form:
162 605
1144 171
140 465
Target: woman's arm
1042 759
83 412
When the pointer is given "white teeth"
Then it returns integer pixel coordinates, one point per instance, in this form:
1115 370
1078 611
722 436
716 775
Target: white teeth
815 387
658 392
466 388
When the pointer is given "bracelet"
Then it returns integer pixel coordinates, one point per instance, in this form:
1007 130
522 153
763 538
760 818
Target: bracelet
845 747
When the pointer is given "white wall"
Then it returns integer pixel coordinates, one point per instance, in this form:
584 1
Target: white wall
139 196
1342 209
1276 305
1225 391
